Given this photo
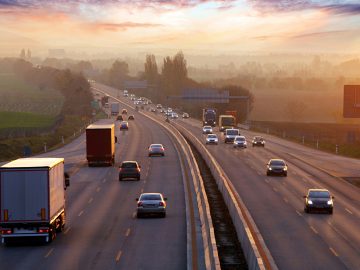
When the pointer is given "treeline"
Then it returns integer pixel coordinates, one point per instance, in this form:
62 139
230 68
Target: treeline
167 82
73 86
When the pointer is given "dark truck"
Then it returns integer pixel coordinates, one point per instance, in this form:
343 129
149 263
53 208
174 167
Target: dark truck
100 144
209 117
32 198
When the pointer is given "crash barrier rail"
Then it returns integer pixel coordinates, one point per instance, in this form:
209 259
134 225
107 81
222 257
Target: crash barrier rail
205 227
256 253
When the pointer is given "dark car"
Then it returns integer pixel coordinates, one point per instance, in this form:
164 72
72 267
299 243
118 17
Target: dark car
124 111
124 125
276 167
119 118
129 169
319 199
258 141
131 117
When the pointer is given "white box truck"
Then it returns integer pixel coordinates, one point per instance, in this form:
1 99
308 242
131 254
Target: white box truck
32 198
115 108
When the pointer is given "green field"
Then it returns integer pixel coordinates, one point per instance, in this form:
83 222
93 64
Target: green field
24 120
16 95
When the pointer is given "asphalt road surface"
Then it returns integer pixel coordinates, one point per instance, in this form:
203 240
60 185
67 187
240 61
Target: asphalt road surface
102 231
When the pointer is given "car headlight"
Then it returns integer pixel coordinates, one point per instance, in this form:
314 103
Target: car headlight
329 202
310 202
285 169
270 169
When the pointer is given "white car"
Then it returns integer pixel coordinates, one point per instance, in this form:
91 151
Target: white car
240 141
207 130
212 139
185 115
174 115
151 203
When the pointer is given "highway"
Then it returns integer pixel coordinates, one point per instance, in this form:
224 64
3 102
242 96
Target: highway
102 231
296 240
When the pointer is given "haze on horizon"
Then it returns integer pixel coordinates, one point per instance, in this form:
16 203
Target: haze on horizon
194 26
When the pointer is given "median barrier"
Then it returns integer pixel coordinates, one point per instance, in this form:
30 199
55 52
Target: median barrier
256 253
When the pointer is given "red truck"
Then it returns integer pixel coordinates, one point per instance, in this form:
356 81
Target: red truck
100 144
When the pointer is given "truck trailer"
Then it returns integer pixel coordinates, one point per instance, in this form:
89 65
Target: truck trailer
226 122
209 117
115 108
100 144
32 198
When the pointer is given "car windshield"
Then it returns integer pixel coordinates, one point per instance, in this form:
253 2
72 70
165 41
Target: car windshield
319 194
277 163
156 146
240 139
207 127
258 139
150 197
232 132
212 136
129 165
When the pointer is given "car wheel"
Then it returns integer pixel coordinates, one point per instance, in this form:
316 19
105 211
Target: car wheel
330 211
268 174
138 178
120 179
285 174
163 215
306 210
163 155
138 215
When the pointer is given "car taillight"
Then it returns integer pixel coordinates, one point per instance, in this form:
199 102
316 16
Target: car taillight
43 230
162 148
161 204
120 169
140 204
6 231
138 169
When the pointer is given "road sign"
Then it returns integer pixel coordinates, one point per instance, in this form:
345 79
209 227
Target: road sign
351 107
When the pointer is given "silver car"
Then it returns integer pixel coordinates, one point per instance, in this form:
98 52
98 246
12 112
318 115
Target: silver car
156 149
151 203
212 139
240 141
207 130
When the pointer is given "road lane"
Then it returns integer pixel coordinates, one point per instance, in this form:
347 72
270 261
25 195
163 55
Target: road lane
101 231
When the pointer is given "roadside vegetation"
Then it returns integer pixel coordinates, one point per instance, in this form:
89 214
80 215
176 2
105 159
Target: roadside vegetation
41 107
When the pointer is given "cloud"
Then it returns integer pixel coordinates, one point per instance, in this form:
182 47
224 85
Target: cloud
122 26
332 6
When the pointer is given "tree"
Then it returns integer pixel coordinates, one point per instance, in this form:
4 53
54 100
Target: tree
28 55
22 54
118 73
151 69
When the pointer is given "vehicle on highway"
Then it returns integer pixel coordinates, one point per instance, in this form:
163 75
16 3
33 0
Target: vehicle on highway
276 167
174 115
152 110
212 139
319 199
240 142
151 204
129 169
120 118
156 150
226 122
124 111
209 117
163 111
207 129
230 134
131 117
100 144
124 125
32 198
126 93
158 106
185 115
258 141
115 108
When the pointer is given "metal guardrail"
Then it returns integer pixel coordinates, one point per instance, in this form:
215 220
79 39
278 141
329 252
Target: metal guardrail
256 253
210 257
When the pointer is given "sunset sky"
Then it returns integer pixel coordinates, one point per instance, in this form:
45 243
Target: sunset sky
194 26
